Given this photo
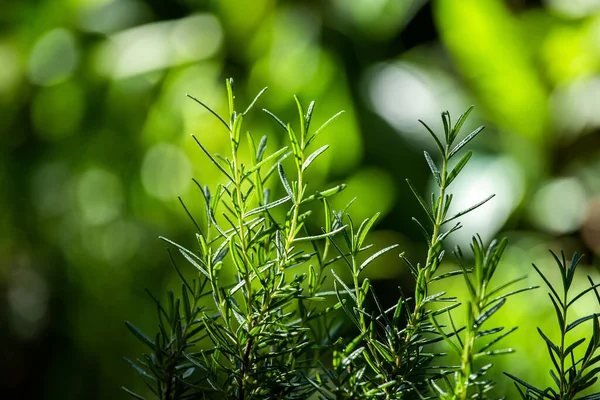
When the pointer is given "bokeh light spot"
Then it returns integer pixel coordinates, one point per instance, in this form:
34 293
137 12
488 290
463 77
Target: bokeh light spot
99 196
53 58
403 92
379 18
112 16
482 177
10 72
574 8
575 106
166 171
559 206
160 45
28 301
196 37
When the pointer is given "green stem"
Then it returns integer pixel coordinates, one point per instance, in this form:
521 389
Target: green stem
425 273
563 330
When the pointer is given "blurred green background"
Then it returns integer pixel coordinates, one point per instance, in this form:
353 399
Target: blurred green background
95 142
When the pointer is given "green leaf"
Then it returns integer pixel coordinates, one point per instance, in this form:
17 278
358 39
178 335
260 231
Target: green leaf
236 130
497 339
322 236
594 341
140 335
468 210
435 138
132 394
271 157
558 312
548 284
446 275
255 100
230 97
324 194
580 320
458 167
572 347
466 140
209 109
322 127
262 146
187 308
214 161
433 168
447 126
549 342
421 201
296 146
302 119
528 386
286 184
364 229
366 285
512 293
280 122
313 156
461 120
593 396
190 215
486 315
346 288
375 256
194 263
426 235
273 204
582 293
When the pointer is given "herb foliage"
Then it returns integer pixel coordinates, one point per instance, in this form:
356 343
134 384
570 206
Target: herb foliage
274 332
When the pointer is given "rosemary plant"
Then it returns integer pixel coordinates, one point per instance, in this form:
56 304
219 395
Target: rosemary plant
259 326
571 376
273 333
392 356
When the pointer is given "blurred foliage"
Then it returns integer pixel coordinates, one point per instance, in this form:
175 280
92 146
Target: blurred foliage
95 140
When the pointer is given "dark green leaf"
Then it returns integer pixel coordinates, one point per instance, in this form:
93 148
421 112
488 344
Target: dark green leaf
140 335
421 201
543 394
461 120
484 317
137 396
549 342
435 138
580 320
364 229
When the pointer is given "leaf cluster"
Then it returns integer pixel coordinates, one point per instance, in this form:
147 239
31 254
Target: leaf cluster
571 374
273 332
